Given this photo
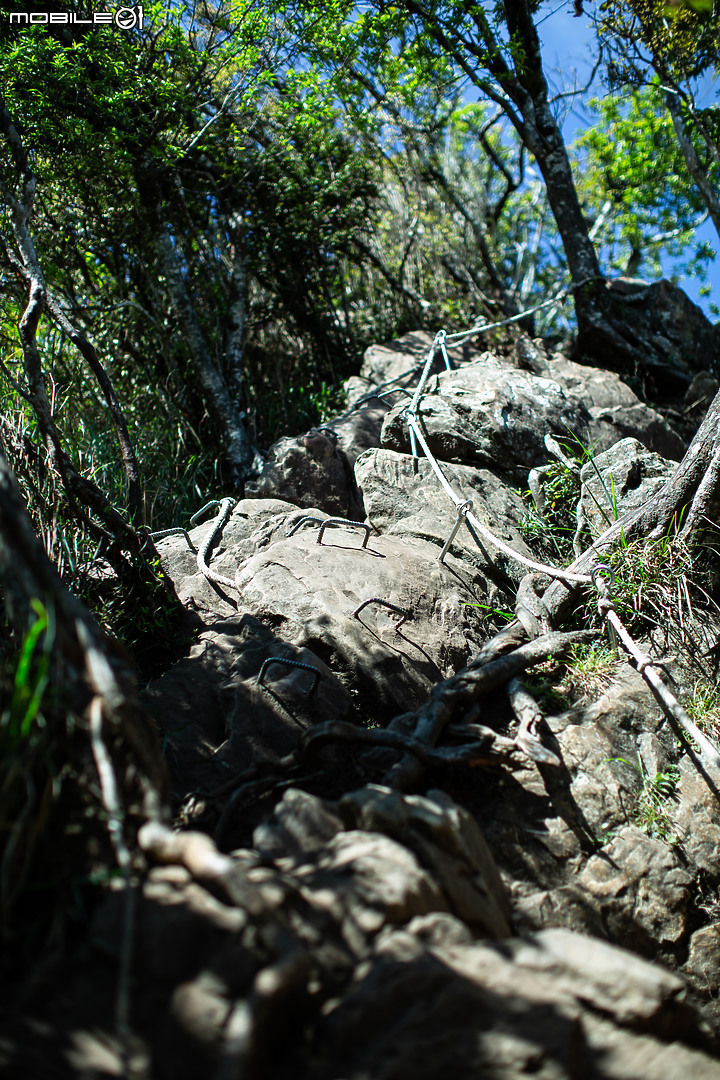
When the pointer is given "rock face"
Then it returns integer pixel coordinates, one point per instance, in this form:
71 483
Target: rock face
553 915
620 480
671 326
310 470
489 412
309 592
493 415
362 937
403 498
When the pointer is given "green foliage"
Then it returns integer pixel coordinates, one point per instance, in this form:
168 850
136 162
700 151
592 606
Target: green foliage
586 674
704 708
633 162
30 681
653 808
590 670
653 583
681 36
553 531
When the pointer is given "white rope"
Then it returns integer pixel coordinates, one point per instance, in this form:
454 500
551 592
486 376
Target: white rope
439 340
663 695
543 568
453 340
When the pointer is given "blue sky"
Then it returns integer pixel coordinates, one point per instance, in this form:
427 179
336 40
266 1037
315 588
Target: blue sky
569 52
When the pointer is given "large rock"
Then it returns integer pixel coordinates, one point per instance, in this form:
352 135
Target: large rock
310 470
398 361
671 331
618 481
548 1007
568 840
252 526
217 720
492 414
643 889
487 411
315 469
696 817
362 937
615 411
308 592
402 497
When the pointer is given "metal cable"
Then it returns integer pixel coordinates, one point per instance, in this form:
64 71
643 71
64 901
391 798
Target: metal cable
543 568
457 339
218 524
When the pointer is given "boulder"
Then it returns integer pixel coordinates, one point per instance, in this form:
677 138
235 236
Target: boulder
252 526
547 1007
366 936
398 361
310 470
639 422
670 328
215 717
492 414
488 411
402 497
308 592
618 481
615 410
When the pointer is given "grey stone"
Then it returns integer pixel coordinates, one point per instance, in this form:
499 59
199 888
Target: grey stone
668 321
403 497
397 360
216 721
252 526
310 470
638 421
551 1007
620 480
308 592
642 889
491 415
696 816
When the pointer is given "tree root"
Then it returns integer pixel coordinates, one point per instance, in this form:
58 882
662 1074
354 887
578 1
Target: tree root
468 686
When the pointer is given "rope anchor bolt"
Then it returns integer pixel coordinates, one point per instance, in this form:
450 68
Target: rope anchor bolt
462 511
260 681
386 604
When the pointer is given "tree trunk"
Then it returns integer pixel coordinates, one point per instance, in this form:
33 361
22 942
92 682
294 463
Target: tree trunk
695 166
543 138
223 410
689 502
617 328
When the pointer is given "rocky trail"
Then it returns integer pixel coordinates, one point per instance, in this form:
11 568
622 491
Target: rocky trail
532 888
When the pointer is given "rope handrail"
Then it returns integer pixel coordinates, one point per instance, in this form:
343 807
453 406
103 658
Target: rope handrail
543 568
454 341
463 506
663 695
